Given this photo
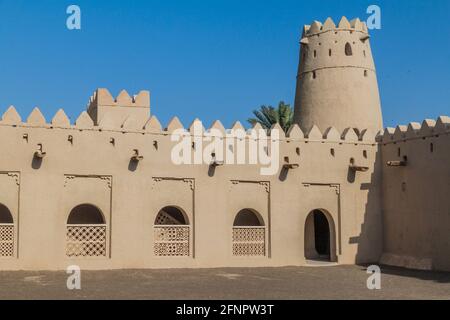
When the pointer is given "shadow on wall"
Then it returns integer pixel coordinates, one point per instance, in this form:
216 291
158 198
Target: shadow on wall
351 175
132 165
416 202
211 171
36 163
370 240
283 174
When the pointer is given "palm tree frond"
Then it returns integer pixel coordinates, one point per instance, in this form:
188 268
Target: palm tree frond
267 116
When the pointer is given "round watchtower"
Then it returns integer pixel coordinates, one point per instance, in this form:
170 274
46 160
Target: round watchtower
337 83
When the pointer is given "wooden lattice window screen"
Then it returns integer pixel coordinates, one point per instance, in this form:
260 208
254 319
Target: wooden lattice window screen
6 240
86 241
171 240
249 241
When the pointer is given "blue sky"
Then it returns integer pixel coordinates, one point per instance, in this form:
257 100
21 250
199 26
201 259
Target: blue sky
210 59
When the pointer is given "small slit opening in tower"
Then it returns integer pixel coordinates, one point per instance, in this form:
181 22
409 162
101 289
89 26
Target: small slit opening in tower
348 49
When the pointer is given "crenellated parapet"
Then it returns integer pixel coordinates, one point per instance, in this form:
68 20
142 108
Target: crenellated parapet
121 107
152 126
102 97
318 27
415 130
329 45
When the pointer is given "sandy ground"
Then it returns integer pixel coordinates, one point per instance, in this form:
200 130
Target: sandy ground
339 282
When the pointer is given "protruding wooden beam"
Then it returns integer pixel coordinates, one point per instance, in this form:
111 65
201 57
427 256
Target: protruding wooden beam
353 166
397 163
288 165
136 156
364 37
39 152
359 168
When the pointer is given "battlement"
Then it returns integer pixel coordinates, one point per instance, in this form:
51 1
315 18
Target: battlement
151 125
415 130
102 97
344 25
346 47
123 106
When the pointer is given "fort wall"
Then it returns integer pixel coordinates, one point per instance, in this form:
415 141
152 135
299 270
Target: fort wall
416 202
48 169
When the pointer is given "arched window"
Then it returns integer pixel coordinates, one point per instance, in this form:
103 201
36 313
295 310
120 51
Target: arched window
348 49
6 232
171 216
86 233
248 218
171 233
5 215
85 214
249 234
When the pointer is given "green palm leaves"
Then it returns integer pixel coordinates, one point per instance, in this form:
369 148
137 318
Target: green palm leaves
267 116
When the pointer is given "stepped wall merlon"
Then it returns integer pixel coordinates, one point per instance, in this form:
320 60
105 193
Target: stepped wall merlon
121 107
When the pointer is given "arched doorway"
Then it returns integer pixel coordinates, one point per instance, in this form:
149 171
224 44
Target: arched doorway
86 232
6 232
249 234
171 233
320 237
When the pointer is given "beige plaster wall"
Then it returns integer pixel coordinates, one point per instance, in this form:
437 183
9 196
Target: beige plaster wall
91 164
416 202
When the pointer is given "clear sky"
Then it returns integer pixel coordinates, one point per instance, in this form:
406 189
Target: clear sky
216 59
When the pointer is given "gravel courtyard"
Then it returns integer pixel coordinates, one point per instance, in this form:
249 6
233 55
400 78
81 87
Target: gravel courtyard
339 282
